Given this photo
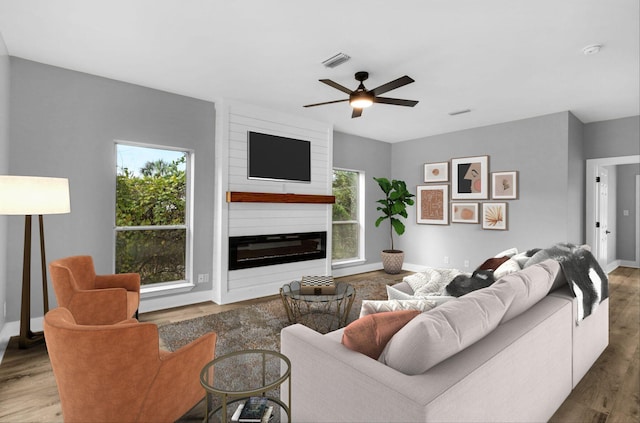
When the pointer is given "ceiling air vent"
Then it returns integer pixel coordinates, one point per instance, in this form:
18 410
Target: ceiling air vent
336 60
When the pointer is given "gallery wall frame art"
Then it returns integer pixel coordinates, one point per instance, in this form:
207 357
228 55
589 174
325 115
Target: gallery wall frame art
436 172
470 178
494 216
433 204
464 213
504 185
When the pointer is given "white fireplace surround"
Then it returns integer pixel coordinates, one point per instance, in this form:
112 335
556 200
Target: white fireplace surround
233 121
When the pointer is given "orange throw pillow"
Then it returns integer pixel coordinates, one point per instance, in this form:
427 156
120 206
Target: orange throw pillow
370 334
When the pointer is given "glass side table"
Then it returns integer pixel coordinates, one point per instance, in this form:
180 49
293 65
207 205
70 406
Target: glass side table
324 312
236 376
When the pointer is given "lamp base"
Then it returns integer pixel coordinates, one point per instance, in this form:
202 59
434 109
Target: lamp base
30 339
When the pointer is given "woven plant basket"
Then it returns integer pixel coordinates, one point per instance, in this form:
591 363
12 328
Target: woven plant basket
392 261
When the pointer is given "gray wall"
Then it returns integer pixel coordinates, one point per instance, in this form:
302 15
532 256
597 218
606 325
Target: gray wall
4 168
64 123
576 181
612 138
626 226
374 158
538 149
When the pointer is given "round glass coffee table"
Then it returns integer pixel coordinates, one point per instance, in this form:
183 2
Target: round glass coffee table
239 375
323 312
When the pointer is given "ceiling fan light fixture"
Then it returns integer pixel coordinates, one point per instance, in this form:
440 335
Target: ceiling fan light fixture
360 100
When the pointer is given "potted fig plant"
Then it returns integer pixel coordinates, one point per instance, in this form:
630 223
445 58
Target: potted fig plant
393 206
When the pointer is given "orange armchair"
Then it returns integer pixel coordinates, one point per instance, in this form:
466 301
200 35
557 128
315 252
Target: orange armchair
117 373
94 299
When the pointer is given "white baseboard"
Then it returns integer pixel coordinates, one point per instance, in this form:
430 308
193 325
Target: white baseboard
354 270
629 263
612 266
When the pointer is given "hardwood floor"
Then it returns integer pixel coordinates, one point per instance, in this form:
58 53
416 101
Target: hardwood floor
608 393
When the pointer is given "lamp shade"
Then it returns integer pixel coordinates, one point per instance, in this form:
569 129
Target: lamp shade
27 195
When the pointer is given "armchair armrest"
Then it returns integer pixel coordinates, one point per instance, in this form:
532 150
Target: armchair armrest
99 306
128 281
179 377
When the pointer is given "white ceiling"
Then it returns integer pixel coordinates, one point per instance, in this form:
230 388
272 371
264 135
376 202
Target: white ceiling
503 59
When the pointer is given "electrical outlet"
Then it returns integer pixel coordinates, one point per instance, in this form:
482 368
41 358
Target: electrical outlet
446 259
203 278
5 309
466 263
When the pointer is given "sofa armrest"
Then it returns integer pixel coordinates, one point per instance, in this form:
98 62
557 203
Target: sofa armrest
323 371
99 306
128 281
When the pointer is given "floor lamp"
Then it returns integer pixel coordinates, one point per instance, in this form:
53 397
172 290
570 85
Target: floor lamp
32 195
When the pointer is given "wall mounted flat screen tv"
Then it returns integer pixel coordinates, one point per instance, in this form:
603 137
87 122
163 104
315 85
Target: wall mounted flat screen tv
277 158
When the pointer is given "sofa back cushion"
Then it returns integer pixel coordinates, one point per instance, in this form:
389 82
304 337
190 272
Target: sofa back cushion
436 335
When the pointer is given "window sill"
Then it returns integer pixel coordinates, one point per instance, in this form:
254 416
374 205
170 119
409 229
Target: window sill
347 263
168 288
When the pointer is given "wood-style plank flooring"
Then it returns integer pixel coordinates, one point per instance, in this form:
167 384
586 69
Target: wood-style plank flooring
608 393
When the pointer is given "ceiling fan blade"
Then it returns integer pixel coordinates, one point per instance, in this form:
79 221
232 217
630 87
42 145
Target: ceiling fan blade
395 101
356 113
402 81
336 86
326 102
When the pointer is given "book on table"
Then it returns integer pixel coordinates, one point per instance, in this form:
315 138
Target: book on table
317 285
253 410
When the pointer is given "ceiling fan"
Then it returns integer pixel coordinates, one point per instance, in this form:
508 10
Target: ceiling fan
361 97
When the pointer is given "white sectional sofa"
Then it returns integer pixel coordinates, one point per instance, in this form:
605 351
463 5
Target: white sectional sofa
521 370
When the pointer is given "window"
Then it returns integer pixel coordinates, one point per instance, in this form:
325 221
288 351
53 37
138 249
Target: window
152 203
348 215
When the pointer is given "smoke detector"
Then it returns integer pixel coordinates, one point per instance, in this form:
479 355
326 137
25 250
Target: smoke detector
336 60
591 49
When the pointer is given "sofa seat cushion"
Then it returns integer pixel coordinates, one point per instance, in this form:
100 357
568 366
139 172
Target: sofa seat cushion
370 334
436 335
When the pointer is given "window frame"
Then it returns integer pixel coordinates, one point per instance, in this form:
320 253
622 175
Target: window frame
167 287
361 216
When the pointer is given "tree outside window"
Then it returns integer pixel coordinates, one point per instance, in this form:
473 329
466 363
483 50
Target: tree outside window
346 227
151 213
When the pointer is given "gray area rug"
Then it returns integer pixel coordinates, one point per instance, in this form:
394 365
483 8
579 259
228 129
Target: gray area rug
256 326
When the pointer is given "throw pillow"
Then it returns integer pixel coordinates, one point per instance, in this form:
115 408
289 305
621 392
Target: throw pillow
506 268
492 263
463 284
400 291
370 334
431 281
373 307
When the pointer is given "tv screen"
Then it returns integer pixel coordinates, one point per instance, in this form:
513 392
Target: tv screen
278 158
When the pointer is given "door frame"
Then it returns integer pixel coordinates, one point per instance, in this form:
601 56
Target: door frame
593 167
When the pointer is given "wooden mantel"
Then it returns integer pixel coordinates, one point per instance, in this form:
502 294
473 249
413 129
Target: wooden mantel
267 197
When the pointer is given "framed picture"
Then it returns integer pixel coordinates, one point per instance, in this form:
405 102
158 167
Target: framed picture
494 216
433 204
464 213
504 185
470 178
436 172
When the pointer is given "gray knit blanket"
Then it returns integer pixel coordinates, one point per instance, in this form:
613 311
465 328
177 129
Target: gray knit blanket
587 281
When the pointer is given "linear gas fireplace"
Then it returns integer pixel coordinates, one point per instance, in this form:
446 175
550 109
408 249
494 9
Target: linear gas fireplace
265 250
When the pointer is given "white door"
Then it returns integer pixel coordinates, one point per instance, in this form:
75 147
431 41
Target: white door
602 217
